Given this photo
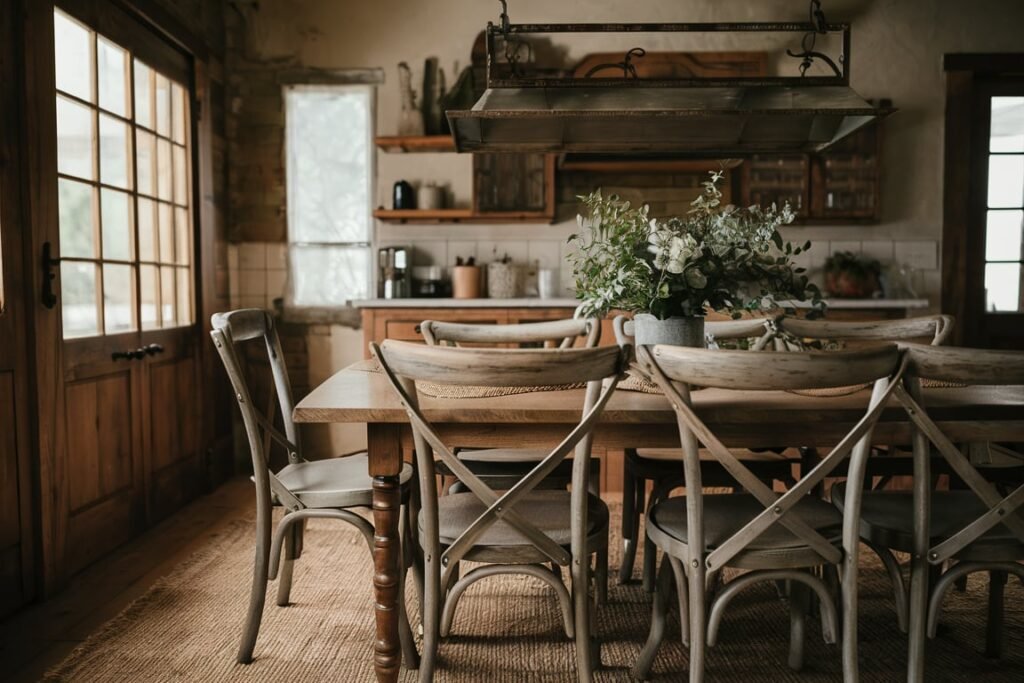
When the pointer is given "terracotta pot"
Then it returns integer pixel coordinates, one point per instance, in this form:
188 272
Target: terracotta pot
466 282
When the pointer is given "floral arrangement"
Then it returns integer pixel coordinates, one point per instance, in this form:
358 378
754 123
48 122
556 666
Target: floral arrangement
718 257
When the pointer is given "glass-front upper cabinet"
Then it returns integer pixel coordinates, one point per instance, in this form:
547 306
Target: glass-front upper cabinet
1004 223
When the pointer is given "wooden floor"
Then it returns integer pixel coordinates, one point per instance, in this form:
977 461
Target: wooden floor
40 636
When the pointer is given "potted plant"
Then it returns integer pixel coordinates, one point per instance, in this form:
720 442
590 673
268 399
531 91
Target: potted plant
849 275
670 272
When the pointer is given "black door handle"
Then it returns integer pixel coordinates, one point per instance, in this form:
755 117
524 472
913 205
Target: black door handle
130 354
153 349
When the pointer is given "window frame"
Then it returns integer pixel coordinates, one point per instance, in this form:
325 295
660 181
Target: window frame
366 82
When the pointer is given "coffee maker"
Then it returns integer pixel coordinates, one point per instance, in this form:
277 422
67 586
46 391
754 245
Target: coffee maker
393 273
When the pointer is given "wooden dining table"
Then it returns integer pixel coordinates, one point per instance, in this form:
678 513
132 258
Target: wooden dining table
631 420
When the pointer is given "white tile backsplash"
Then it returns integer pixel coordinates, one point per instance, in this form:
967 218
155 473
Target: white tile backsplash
918 254
429 252
838 246
877 249
252 256
487 251
276 280
253 283
462 249
277 256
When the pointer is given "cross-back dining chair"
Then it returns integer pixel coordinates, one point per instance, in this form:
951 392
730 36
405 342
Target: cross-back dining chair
319 489
500 466
503 467
793 333
978 529
522 528
642 466
776 536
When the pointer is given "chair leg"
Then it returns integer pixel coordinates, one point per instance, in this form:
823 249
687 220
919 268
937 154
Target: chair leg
630 523
917 614
799 604
681 593
431 613
994 628
601 576
291 551
698 621
258 595
899 589
659 612
582 613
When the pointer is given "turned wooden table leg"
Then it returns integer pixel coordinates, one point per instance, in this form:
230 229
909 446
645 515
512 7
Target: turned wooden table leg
384 448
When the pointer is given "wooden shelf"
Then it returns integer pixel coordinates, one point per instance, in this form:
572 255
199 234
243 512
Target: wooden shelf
415 143
637 165
458 216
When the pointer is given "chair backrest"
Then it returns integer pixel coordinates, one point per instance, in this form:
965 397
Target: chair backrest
932 329
714 330
968 366
407 364
250 324
676 368
562 334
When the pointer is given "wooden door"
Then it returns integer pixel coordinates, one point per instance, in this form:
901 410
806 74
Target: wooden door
983 232
124 282
16 541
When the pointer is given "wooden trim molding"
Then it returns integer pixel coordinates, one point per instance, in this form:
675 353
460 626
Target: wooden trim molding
984 62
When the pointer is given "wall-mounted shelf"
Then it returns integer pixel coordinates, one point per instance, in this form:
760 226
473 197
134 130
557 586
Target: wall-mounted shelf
458 216
604 164
415 143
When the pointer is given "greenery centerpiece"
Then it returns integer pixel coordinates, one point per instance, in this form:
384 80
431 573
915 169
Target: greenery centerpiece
718 257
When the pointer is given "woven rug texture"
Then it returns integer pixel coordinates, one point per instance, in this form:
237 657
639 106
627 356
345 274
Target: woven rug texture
507 628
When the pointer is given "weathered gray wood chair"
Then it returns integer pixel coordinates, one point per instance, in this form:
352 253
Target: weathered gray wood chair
501 468
793 333
775 536
974 530
319 489
518 530
662 465
504 466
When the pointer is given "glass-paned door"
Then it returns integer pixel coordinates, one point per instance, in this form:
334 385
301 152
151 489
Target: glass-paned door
1004 224
124 186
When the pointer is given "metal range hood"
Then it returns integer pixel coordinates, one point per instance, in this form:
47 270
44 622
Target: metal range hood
687 117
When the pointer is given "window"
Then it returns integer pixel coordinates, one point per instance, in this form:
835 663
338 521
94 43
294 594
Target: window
124 188
329 145
1004 239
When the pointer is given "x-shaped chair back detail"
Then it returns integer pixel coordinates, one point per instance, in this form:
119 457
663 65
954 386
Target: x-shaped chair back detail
676 369
406 363
966 366
561 334
251 324
748 328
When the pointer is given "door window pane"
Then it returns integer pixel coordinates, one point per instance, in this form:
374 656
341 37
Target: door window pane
76 219
1002 287
147 230
113 151
163 169
167 287
166 228
1004 240
180 176
114 214
74 139
184 296
183 234
178 113
1007 124
73 58
145 162
1006 181
111 74
163 106
148 304
78 299
143 95
118 288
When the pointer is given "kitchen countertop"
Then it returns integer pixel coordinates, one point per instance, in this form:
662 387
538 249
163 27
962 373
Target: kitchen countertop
534 302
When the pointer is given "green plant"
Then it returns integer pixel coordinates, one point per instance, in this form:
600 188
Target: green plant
719 256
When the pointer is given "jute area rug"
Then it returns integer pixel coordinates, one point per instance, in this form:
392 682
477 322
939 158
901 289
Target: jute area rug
186 628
